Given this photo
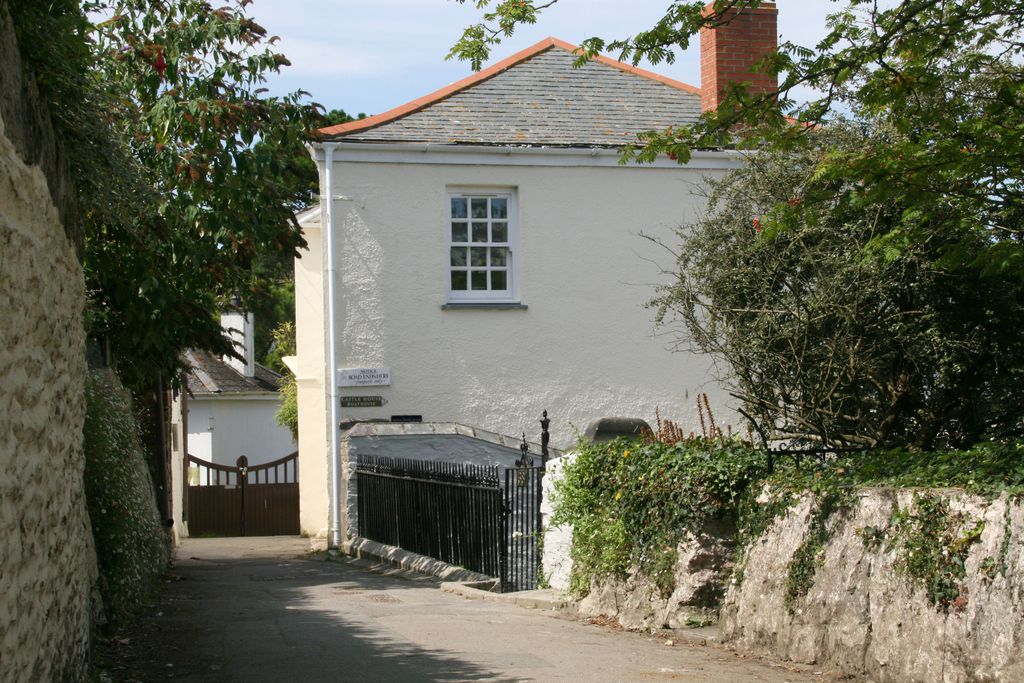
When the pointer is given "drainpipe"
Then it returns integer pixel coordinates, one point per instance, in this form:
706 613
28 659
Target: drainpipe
334 470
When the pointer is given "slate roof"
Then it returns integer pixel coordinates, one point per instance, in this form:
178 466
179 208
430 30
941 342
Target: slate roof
537 98
210 376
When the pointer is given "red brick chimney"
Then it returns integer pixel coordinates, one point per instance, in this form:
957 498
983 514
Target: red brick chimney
728 51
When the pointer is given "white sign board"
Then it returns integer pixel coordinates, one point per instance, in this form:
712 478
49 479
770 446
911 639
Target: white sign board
364 377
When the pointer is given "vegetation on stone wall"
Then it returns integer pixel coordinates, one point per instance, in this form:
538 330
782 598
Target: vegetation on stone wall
631 503
931 543
131 544
809 556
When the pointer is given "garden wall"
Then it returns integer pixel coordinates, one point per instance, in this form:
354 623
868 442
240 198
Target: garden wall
862 614
862 611
48 567
47 563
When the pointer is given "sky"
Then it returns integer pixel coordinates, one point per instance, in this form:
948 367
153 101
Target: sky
372 55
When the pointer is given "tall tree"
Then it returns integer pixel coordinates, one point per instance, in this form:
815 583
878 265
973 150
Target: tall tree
221 165
829 340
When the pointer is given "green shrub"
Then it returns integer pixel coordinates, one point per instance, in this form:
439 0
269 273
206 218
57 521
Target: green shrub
631 503
986 469
131 544
287 414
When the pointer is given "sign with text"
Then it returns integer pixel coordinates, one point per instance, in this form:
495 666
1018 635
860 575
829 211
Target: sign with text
363 401
364 377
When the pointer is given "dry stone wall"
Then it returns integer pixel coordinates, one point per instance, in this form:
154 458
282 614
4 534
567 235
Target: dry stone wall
47 563
863 615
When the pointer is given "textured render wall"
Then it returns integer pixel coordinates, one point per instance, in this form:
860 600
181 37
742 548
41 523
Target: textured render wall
47 563
584 349
310 334
861 616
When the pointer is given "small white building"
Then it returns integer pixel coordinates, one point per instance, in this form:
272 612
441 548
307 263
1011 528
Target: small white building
477 259
227 408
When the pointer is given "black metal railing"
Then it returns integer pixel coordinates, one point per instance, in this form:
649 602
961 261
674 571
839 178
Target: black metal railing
521 568
483 518
449 511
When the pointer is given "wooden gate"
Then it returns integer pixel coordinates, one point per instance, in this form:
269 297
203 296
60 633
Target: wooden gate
262 500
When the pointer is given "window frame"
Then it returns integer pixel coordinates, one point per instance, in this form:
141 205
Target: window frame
510 295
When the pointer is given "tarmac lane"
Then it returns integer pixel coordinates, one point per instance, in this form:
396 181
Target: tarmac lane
265 609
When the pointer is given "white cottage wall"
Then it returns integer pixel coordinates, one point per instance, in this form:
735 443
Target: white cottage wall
200 436
584 348
310 343
239 427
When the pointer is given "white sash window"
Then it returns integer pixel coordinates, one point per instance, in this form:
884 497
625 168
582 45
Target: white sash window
481 236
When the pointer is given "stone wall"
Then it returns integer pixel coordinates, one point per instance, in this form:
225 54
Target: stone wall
48 569
701 572
862 615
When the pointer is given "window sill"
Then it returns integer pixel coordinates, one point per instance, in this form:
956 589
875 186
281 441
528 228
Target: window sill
482 306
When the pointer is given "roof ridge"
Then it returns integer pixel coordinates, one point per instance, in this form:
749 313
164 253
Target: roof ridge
371 122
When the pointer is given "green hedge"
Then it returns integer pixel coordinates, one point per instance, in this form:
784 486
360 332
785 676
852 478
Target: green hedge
131 544
631 503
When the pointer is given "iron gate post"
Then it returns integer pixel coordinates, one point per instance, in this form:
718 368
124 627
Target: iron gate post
545 437
243 474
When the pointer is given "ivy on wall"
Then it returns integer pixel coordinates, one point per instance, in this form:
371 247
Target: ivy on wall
631 504
131 544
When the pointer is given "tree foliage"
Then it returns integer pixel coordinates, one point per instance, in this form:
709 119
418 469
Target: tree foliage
219 168
187 173
828 337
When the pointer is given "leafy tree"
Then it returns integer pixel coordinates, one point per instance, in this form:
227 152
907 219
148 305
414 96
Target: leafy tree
186 173
828 339
221 165
273 275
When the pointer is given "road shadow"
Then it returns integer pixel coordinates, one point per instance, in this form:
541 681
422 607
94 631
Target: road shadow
280 619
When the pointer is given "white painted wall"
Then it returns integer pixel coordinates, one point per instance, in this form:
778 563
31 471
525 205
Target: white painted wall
310 370
221 429
585 348
556 559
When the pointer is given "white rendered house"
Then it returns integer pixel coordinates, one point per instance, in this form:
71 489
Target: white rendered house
476 258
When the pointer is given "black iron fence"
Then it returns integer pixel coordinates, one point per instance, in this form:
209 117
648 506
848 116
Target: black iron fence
471 516
520 570
448 511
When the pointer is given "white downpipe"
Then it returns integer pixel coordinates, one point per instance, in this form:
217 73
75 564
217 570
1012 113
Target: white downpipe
334 471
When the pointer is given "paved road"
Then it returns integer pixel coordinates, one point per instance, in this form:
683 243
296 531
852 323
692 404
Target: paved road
263 610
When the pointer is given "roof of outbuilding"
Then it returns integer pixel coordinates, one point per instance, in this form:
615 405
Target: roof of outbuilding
537 98
208 375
